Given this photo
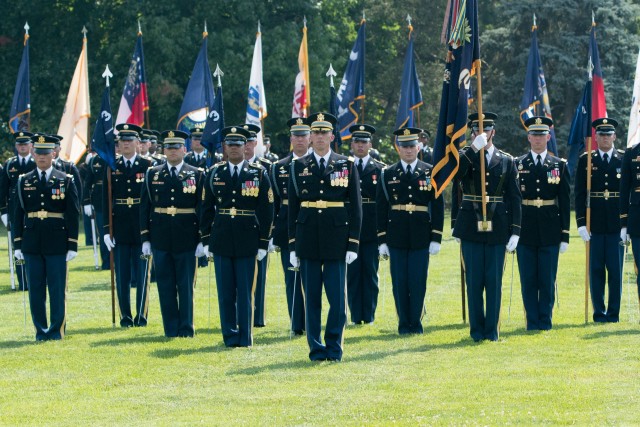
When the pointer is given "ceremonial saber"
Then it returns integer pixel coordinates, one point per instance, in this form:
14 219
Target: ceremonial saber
210 259
10 253
293 299
145 283
93 240
21 263
628 286
513 260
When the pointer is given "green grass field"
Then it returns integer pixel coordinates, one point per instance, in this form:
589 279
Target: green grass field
575 374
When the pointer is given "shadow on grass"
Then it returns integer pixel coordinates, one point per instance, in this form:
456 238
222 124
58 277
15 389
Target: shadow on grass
92 287
134 339
170 353
521 330
605 334
7 291
17 344
91 331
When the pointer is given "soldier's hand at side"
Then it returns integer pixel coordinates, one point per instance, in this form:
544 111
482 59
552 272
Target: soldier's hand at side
146 248
88 210
513 243
293 259
383 251
457 239
200 251
261 254
4 219
272 248
206 251
109 242
623 235
351 256
480 142
71 255
434 248
582 231
563 247
17 254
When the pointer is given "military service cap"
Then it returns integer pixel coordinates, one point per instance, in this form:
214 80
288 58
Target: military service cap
43 144
424 134
58 138
235 135
23 137
253 131
146 135
407 137
196 132
173 138
362 132
488 121
128 132
538 125
322 121
299 126
605 126
155 136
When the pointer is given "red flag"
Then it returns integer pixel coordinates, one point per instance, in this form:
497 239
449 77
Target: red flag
598 101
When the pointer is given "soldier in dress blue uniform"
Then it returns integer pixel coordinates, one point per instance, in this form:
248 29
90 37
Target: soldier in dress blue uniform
197 156
410 220
545 189
127 181
426 153
259 316
145 145
299 139
325 216
46 237
169 227
268 154
237 212
606 252
483 242
92 203
362 279
13 168
154 149
66 167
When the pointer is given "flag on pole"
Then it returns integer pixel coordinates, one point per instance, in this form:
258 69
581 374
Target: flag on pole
103 139
580 129
20 115
212 136
256 101
333 108
535 100
134 101
301 94
463 58
74 124
351 91
199 94
598 101
410 94
634 118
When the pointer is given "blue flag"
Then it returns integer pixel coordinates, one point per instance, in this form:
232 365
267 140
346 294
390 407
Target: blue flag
19 117
463 56
580 128
535 100
410 94
333 109
199 94
103 141
351 92
212 136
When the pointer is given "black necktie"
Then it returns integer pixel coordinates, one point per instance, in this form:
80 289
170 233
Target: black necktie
539 163
173 172
605 157
234 176
360 167
24 162
408 169
43 177
128 165
321 165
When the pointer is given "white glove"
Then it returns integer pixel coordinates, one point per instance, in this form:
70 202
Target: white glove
457 239
272 248
146 248
18 255
383 250
293 259
4 219
480 142
434 248
351 256
623 235
109 242
563 247
513 243
261 254
206 251
71 255
582 231
88 210
200 250
87 159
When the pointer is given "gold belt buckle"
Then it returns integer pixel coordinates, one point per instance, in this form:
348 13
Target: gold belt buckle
487 199
43 214
129 201
410 207
233 211
172 211
321 204
606 194
537 203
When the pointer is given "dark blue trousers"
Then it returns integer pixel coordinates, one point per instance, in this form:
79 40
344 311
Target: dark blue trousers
409 269
362 284
606 256
42 272
295 298
235 280
483 274
88 237
175 275
635 248
130 269
332 275
538 266
259 315
104 252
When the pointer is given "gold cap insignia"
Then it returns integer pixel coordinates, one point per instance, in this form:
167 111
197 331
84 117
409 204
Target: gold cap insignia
21 133
233 130
41 139
321 117
299 121
407 132
171 134
125 127
604 121
538 121
361 127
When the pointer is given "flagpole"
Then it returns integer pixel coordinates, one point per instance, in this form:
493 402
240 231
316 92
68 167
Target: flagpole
217 73
364 21
483 189
331 73
146 112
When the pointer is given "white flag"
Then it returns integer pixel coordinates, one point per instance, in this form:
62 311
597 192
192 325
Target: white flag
257 102
634 118
74 124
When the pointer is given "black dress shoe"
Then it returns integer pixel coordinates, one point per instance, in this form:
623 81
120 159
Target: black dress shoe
124 323
298 332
